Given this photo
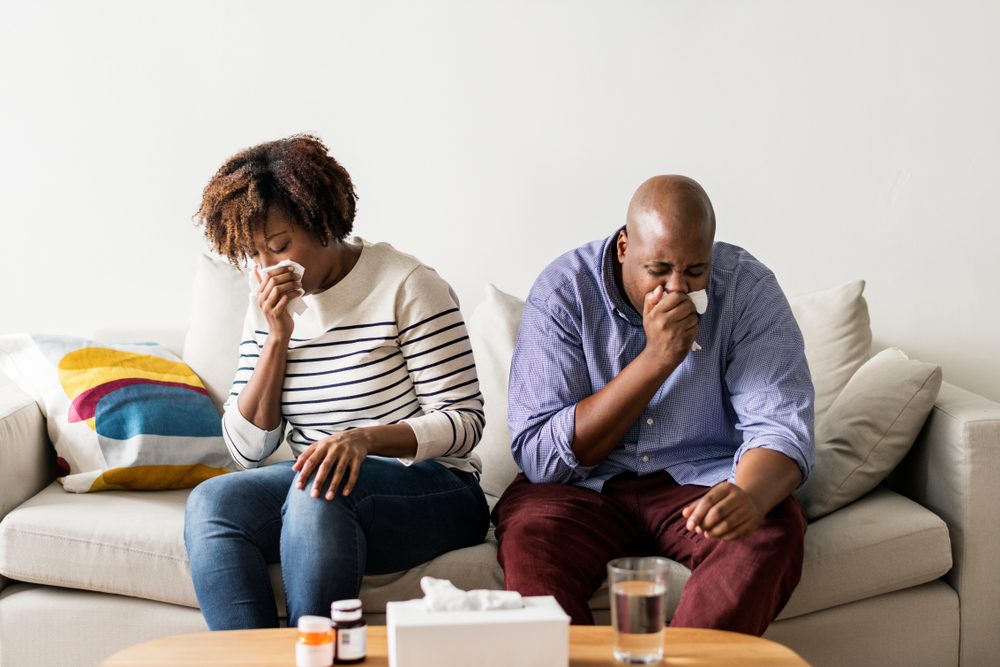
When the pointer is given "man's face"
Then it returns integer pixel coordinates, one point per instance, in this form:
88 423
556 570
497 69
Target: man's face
661 250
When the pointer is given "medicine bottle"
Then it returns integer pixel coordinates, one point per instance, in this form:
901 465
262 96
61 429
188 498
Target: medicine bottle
351 642
315 645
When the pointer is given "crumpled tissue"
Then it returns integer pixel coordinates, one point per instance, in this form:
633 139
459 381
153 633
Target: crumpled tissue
296 305
442 595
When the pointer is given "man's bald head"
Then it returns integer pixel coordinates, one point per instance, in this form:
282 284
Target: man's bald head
667 240
677 203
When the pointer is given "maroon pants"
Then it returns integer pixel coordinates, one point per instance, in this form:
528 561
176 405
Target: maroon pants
556 539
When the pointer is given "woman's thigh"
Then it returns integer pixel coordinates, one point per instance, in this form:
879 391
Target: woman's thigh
248 502
407 514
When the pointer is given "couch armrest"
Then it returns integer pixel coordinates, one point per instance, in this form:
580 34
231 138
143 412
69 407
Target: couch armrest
954 470
26 459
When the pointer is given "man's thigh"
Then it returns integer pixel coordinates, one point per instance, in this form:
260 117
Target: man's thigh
545 528
662 517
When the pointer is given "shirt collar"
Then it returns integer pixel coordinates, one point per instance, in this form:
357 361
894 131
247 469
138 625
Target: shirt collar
616 302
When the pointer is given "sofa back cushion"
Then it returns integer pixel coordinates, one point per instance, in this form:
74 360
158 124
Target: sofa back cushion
869 429
493 331
838 337
219 301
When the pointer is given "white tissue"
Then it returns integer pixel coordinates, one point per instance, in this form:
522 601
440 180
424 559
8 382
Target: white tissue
442 595
296 305
700 299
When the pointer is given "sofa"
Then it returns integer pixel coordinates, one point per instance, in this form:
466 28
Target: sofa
902 575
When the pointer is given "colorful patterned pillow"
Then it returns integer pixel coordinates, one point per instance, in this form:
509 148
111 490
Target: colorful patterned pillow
120 416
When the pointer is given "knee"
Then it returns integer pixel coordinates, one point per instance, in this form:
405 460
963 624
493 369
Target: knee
780 538
302 512
206 502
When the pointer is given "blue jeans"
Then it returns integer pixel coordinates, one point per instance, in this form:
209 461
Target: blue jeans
395 518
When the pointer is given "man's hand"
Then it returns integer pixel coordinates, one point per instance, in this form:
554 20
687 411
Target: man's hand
671 325
726 512
342 452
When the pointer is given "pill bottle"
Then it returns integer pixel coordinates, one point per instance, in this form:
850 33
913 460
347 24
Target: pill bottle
315 645
351 642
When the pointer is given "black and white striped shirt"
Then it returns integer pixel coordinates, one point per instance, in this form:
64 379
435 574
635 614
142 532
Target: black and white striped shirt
386 344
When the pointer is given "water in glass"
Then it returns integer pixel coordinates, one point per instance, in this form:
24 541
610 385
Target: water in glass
637 616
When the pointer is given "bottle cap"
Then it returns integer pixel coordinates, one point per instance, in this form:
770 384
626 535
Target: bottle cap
346 610
312 624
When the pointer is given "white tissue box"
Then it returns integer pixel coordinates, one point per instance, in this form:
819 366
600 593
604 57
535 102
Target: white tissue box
536 635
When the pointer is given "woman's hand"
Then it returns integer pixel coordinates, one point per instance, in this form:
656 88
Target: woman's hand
277 289
342 452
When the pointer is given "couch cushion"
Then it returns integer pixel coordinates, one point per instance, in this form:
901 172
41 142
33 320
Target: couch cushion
883 542
869 429
132 543
219 301
838 337
493 331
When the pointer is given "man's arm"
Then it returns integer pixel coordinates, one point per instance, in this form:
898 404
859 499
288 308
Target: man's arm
603 418
730 510
772 395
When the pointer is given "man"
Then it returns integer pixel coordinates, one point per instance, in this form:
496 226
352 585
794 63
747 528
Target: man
634 440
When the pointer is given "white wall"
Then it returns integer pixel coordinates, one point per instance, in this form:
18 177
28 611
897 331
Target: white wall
837 140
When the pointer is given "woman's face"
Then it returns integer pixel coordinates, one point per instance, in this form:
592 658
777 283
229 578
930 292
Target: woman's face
280 238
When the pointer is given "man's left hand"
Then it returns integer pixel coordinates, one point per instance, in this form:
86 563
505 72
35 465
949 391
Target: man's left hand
725 512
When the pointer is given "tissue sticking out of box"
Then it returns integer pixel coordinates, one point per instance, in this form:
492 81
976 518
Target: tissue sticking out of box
442 595
296 305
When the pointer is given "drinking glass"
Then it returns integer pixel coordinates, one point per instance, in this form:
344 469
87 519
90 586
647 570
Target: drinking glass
638 591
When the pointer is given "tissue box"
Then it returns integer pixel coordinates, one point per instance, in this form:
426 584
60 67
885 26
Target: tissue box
536 635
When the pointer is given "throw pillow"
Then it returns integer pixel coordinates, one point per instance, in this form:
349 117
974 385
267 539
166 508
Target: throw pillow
119 416
838 337
869 429
493 331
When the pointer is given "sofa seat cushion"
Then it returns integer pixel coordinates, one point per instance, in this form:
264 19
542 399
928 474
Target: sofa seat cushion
131 543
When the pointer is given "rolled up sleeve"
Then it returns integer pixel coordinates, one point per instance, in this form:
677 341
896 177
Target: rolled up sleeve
768 379
548 377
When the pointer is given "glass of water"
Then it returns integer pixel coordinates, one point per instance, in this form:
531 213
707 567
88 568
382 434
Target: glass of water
638 591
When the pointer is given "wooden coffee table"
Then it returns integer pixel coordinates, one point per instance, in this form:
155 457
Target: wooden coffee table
589 646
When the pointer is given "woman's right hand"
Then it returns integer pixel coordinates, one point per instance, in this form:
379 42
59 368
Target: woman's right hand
277 289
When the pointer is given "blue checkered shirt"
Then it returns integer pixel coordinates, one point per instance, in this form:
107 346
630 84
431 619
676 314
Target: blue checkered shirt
748 387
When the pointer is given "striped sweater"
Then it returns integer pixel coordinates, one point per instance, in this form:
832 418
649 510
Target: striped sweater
386 344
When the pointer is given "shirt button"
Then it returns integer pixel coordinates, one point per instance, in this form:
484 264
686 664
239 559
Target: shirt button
645 459
650 421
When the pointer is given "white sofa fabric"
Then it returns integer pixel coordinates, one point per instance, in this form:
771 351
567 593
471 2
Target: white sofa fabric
898 577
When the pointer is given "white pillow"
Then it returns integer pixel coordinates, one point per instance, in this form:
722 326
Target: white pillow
219 303
869 429
493 331
838 337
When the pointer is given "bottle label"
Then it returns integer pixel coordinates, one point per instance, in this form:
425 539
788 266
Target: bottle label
320 655
352 643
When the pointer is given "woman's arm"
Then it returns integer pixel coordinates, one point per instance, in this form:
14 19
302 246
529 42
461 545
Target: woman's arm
252 425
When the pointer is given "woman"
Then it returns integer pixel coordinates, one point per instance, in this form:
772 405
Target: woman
373 386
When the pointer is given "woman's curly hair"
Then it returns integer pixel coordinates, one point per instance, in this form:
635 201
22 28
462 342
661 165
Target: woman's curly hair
296 174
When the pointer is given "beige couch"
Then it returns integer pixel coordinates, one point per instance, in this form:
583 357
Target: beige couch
901 576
